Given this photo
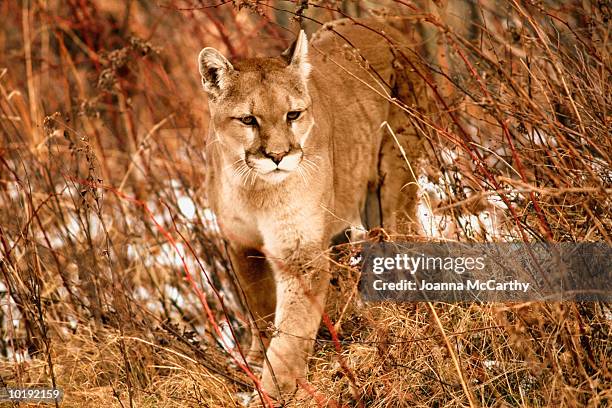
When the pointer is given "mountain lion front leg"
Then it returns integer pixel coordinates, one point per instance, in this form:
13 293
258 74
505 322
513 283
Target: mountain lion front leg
302 277
255 278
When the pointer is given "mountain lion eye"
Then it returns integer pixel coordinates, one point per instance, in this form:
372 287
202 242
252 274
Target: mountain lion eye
293 115
249 120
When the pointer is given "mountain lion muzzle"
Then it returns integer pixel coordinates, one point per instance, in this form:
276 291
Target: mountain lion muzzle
297 149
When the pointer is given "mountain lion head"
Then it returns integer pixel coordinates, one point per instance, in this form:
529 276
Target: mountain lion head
260 111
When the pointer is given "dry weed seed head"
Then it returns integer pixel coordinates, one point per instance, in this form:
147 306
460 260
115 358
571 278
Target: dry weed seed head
50 124
91 107
252 5
117 61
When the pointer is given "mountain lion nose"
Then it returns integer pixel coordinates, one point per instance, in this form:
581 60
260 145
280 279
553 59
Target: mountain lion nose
276 157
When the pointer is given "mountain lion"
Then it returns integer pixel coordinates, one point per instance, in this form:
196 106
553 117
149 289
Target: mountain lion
300 148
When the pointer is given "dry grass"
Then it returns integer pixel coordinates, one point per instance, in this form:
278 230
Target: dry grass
102 130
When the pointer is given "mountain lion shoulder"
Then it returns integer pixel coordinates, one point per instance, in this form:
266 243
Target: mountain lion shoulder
296 150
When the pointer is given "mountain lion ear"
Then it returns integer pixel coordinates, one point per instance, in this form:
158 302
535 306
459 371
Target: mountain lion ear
297 55
215 70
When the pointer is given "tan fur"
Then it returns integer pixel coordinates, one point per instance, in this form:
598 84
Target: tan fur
280 224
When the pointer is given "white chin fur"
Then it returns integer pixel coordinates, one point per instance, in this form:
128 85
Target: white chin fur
275 177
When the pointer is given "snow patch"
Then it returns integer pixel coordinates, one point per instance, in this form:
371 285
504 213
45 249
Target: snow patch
187 207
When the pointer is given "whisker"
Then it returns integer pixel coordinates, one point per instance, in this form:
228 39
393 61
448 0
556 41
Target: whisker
310 170
301 173
313 156
310 166
233 164
246 177
242 170
308 161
